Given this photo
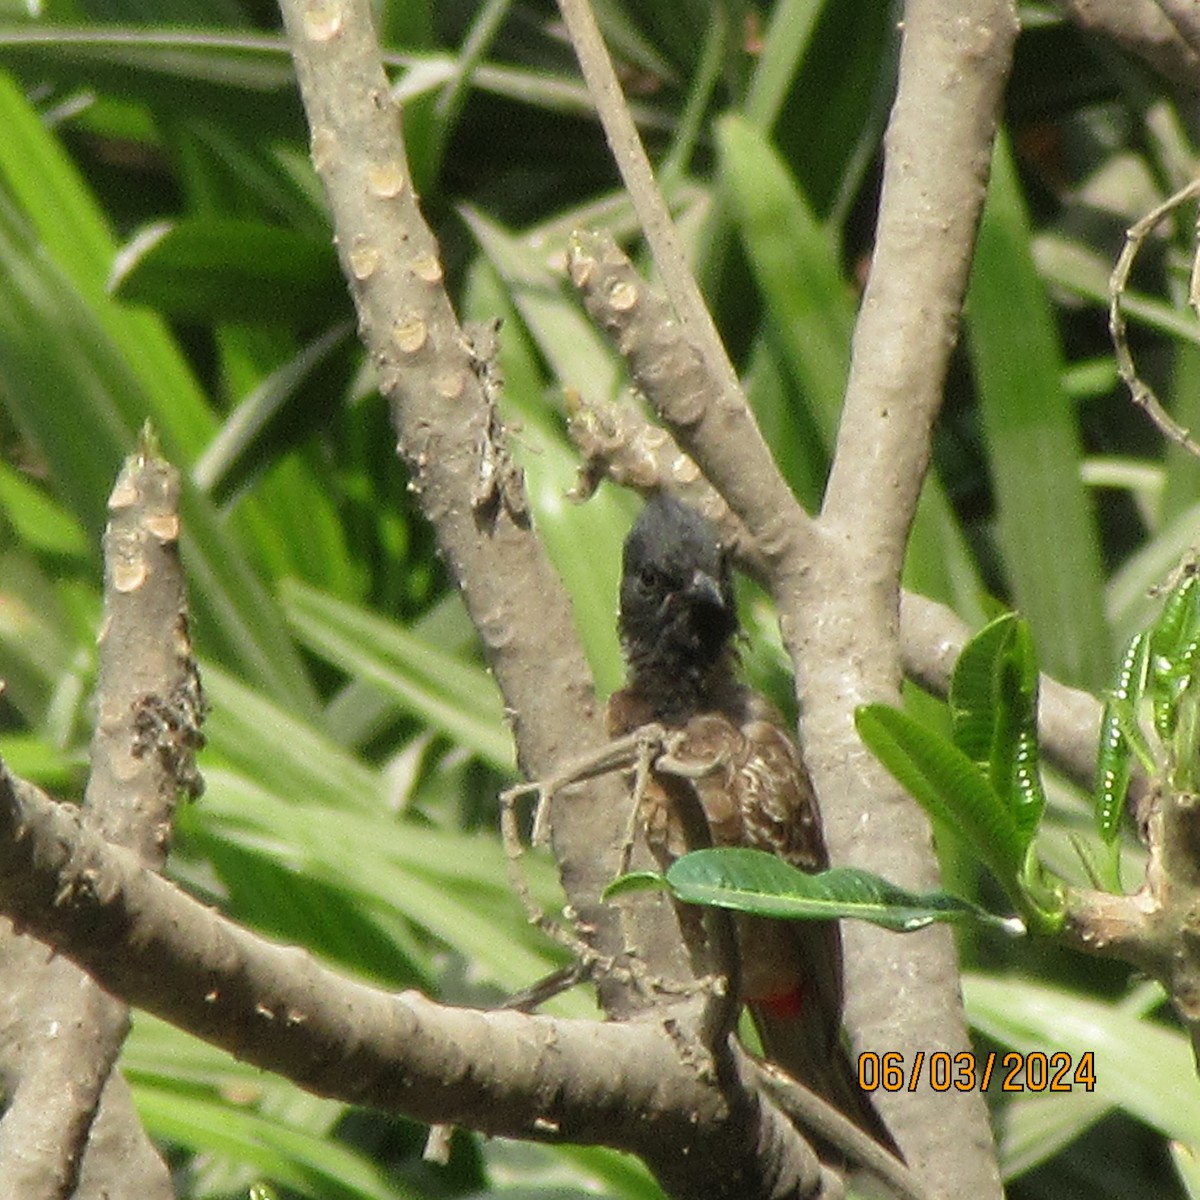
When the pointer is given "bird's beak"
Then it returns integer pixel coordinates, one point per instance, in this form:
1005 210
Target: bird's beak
705 589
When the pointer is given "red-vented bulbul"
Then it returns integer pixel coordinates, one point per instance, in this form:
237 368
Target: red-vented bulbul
677 622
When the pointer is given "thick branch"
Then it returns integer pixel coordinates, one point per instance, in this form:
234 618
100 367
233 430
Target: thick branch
841 606
444 411
641 1086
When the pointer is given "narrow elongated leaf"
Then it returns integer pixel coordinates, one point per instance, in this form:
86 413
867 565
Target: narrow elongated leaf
1176 624
795 261
73 231
286 407
1114 759
271 745
753 881
38 520
973 689
304 1160
1044 519
395 872
1015 769
947 784
455 696
224 269
80 374
578 353
1139 1065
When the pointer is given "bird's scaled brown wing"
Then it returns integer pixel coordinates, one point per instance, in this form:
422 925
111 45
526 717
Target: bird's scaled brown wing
758 794
754 790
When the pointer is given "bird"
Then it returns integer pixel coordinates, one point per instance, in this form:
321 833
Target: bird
678 623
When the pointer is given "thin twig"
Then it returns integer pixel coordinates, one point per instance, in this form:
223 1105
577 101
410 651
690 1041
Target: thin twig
1140 391
630 157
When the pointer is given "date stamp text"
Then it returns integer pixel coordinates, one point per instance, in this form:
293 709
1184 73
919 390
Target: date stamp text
1034 1071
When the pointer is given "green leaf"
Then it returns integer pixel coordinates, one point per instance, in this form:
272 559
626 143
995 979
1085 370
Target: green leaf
948 785
228 76
1044 517
1140 1065
1114 762
1016 770
268 743
1176 624
225 269
455 696
107 368
1174 644
281 856
753 881
795 261
37 519
308 1162
288 405
635 881
973 688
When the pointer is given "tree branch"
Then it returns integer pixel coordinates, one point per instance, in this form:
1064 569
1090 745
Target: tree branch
454 446
1162 33
642 1086
148 714
841 607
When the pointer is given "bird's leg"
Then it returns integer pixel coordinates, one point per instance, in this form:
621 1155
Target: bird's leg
632 750
651 742
615 756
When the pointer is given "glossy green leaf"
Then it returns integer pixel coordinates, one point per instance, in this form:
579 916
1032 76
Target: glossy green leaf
228 74
947 784
1114 762
753 881
973 690
1016 769
71 229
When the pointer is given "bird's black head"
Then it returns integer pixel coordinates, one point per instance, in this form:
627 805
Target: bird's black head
678 613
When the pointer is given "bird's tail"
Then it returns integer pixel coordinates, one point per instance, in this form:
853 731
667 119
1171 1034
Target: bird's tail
790 1042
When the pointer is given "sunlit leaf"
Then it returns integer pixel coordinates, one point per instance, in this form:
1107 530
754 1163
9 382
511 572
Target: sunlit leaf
753 881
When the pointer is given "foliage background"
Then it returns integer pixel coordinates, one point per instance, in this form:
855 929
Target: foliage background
165 254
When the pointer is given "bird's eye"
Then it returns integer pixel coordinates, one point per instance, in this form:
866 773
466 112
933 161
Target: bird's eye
648 577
